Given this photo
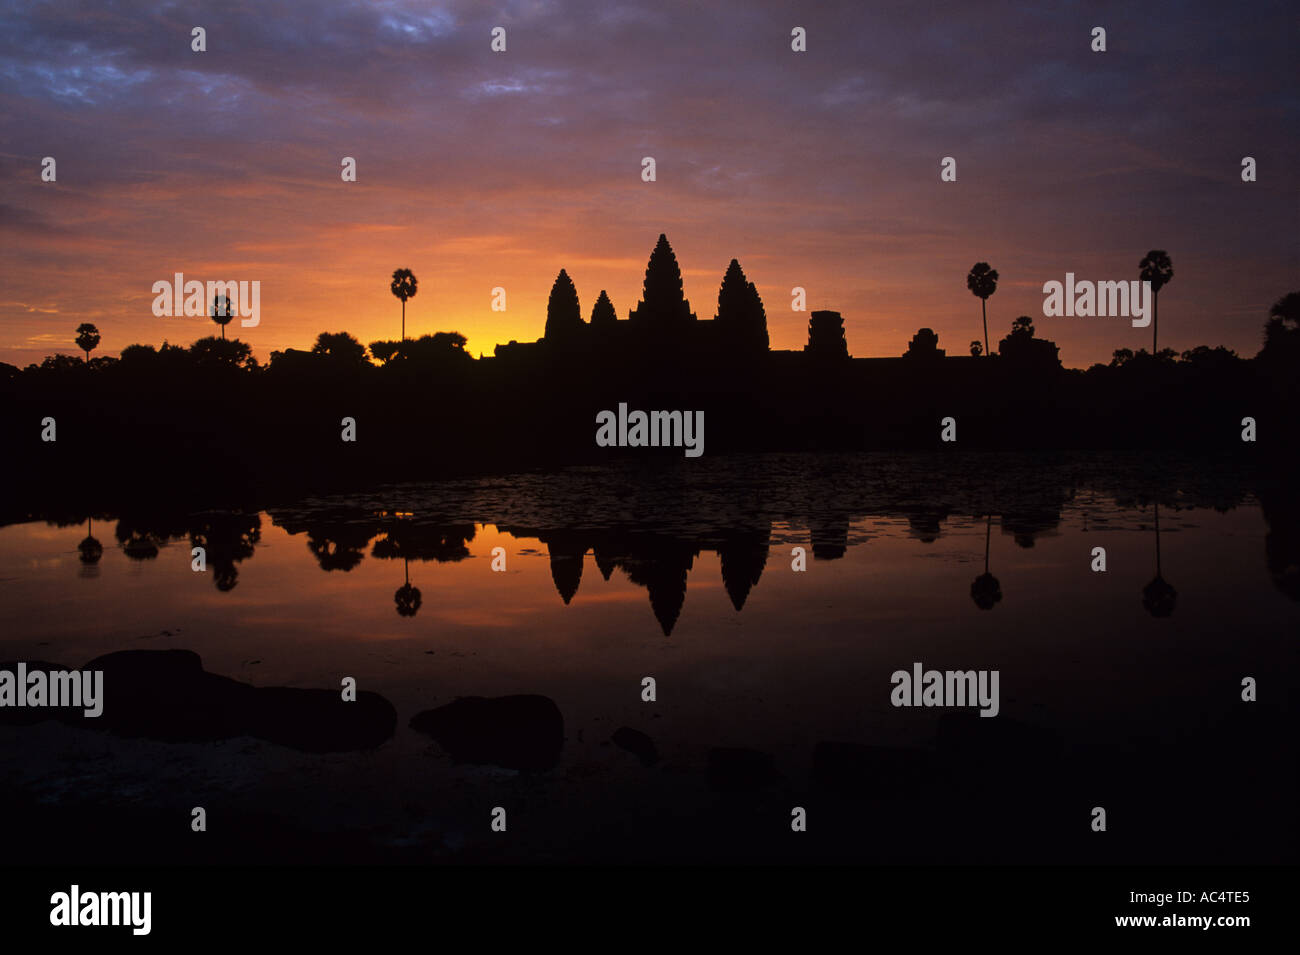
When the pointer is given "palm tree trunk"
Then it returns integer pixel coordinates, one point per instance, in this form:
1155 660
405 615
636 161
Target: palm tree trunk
988 530
403 319
984 315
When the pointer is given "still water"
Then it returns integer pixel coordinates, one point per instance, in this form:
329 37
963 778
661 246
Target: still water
1119 688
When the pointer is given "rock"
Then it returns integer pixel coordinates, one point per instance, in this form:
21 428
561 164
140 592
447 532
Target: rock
637 743
516 732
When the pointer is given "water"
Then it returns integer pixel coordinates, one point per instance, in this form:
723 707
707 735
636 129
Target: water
1113 693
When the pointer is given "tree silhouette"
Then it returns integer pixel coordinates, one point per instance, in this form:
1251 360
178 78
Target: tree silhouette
213 352
1282 330
450 341
563 313
1285 312
1210 359
339 347
985 589
983 282
602 313
440 348
87 338
404 286
976 349
137 357
1024 325
222 312
385 351
407 597
1158 270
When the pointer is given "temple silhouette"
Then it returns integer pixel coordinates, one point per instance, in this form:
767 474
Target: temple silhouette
662 327
661 324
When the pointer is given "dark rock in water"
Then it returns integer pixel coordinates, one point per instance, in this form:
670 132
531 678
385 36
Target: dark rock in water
881 772
166 695
735 770
516 732
29 715
636 743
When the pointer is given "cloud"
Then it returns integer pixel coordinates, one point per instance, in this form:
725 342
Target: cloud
481 169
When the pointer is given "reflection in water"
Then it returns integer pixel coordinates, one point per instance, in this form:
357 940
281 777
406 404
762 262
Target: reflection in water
743 557
1159 596
524 689
338 547
407 597
656 536
227 539
567 549
90 551
985 590
136 544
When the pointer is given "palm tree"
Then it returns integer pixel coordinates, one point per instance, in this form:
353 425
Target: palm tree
983 282
1158 270
222 312
404 286
87 338
985 589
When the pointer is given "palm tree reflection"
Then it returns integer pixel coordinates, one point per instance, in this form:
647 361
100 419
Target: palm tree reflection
985 589
407 597
90 550
1159 596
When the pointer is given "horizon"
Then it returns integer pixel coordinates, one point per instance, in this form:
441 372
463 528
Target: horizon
173 297
477 169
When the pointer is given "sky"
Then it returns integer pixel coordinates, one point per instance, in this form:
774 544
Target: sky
479 169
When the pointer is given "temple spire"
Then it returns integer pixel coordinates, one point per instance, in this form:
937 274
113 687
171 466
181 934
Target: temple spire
663 305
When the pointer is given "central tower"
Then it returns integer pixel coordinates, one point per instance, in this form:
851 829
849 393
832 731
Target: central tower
663 309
